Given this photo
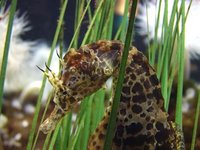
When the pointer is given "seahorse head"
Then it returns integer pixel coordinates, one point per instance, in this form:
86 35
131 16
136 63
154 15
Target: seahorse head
85 70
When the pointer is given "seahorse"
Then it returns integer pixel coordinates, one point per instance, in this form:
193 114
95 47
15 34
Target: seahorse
142 122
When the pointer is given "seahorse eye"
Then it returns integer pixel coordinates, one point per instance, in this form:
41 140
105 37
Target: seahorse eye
73 78
72 69
64 92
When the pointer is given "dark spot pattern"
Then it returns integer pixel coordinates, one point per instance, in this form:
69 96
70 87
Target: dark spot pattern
150 138
120 130
137 88
129 70
130 116
139 98
125 99
134 128
150 96
159 126
150 109
162 135
98 147
139 70
130 82
105 126
157 94
154 80
123 112
133 64
133 77
137 58
63 104
126 90
117 141
148 118
135 141
126 120
136 108
146 67
146 84
149 126
101 136
143 115
94 143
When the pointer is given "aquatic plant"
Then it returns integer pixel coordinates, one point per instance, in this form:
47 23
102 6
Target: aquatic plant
74 135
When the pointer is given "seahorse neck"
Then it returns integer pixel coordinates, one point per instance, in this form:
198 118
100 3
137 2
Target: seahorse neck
140 82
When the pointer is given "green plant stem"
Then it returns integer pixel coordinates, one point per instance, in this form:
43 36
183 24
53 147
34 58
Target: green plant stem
110 24
58 142
61 37
92 23
194 134
55 134
89 12
46 142
178 117
74 138
66 126
6 49
124 21
155 41
87 124
117 95
2 3
79 24
123 26
43 115
166 37
190 4
98 109
78 13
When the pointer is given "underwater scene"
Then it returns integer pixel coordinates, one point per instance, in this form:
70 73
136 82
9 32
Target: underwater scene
99 75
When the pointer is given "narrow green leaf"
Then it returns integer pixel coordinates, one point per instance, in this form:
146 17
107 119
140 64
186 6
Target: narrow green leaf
97 108
43 116
74 138
6 49
92 23
178 117
87 124
152 53
66 126
79 25
46 142
194 134
124 22
2 3
55 134
58 142
117 95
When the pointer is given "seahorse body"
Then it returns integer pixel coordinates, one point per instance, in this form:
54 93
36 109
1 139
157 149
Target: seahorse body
142 122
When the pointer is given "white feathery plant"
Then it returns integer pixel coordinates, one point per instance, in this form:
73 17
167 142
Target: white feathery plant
22 75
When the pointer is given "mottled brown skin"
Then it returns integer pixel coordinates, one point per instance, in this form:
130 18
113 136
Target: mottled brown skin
142 122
